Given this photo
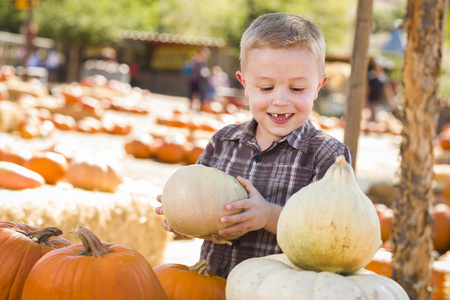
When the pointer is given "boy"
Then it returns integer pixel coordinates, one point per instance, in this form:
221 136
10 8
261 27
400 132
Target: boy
278 151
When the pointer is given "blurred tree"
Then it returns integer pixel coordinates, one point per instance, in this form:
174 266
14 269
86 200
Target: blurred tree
11 19
228 19
76 24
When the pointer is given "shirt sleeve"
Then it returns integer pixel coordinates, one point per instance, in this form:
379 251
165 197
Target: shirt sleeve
326 156
207 154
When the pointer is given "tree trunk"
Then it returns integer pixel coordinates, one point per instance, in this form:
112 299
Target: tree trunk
357 81
73 62
411 236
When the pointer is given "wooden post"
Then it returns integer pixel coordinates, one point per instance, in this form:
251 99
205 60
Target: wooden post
357 82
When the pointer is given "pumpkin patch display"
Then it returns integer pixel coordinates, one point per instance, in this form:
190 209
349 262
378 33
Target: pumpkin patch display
275 277
330 225
181 282
194 199
93 270
21 246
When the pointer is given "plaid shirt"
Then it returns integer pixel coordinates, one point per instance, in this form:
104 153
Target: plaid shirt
289 164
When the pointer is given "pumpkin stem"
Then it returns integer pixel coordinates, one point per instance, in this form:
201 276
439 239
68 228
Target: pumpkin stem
200 268
42 235
340 161
92 245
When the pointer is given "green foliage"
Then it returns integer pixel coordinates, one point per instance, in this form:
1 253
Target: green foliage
10 18
94 22
91 22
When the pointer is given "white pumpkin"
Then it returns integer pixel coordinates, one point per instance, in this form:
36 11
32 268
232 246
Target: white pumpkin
275 277
194 199
330 225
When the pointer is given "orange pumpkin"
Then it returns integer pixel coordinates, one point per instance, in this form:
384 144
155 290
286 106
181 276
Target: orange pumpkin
444 139
21 246
441 227
386 216
140 146
382 265
194 149
91 173
93 270
14 154
16 177
181 282
50 165
72 93
64 122
171 149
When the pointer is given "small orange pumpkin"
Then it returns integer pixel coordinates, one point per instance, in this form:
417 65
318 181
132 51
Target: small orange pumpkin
14 154
93 270
386 216
51 165
194 149
16 177
21 246
181 282
171 149
140 146
91 173
441 227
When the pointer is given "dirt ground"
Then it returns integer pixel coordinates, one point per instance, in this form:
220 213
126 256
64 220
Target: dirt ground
377 158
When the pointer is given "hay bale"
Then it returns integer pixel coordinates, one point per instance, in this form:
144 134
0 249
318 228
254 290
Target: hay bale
9 115
125 217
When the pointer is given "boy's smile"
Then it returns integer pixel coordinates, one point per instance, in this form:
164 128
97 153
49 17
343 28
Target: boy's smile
280 118
281 85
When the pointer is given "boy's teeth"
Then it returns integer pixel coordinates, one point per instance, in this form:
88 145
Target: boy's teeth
284 116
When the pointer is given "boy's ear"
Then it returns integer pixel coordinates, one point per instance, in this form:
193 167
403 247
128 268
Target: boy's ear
240 77
324 80
321 84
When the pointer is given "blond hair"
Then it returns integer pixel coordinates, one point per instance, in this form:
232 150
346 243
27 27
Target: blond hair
282 30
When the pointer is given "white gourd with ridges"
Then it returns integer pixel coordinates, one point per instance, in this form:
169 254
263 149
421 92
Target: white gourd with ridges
330 225
275 277
194 199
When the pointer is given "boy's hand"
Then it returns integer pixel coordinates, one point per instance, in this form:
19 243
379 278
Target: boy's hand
257 214
165 225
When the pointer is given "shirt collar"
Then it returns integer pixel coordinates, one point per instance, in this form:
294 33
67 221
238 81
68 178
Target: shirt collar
298 138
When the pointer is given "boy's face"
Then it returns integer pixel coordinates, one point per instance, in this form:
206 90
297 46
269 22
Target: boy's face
281 85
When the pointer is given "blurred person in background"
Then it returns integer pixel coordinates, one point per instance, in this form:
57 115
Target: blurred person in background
379 90
197 72
52 62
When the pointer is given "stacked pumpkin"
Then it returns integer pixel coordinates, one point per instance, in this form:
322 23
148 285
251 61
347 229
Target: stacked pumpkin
327 240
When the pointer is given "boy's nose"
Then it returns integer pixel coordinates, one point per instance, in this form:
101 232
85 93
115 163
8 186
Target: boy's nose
281 99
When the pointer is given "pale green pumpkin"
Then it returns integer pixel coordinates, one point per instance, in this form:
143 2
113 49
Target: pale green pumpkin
330 225
194 199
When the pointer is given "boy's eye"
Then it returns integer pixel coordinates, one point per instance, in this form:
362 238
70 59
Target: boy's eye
298 89
266 89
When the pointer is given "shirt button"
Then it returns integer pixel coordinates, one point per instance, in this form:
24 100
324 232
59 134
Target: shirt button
258 158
